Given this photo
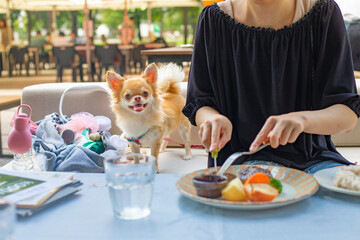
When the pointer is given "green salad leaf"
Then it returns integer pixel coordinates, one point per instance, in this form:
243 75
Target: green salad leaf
276 184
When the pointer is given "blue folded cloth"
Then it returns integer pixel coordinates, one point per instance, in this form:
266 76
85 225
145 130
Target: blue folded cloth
54 155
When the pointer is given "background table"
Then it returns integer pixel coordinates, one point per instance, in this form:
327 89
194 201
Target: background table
89 216
173 54
7 102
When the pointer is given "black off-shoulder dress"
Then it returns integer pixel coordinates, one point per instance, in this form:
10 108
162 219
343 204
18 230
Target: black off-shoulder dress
249 74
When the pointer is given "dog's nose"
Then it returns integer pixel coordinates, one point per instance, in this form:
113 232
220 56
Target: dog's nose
137 99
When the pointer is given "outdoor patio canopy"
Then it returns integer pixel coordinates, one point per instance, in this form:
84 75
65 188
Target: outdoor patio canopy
72 5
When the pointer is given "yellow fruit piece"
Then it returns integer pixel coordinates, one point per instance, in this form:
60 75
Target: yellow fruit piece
234 191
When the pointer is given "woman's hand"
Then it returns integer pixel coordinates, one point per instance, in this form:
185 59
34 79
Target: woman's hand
215 132
286 128
280 130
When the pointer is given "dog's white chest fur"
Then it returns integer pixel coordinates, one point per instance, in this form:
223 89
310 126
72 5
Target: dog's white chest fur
134 129
141 132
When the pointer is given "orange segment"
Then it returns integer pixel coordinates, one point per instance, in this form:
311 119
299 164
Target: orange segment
258 178
260 192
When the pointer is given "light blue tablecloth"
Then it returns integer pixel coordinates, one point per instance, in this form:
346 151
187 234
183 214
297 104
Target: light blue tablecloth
88 216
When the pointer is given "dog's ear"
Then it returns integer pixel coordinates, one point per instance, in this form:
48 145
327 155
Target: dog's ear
114 80
150 73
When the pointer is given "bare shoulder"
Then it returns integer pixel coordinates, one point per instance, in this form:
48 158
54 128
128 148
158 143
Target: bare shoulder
226 7
308 4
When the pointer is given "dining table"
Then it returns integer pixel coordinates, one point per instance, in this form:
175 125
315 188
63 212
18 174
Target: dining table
171 54
88 215
81 49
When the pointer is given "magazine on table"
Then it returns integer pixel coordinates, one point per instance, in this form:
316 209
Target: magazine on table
29 188
65 193
39 199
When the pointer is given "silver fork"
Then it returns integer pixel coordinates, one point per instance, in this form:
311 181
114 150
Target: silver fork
235 156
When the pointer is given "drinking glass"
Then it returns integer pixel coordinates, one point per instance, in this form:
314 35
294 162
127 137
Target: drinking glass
7 220
130 180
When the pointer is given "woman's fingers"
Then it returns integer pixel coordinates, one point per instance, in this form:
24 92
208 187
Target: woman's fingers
295 134
216 133
263 134
225 132
280 130
206 134
290 130
225 136
284 139
280 133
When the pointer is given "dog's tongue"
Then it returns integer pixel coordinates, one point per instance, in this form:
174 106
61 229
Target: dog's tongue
139 107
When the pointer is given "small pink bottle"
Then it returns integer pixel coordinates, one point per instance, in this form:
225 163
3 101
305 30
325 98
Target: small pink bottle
19 141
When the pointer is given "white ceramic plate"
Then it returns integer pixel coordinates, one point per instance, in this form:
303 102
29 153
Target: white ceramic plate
325 179
297 186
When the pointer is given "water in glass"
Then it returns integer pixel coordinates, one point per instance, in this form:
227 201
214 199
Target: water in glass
130 187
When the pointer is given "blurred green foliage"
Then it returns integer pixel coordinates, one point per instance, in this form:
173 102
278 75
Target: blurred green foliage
167 19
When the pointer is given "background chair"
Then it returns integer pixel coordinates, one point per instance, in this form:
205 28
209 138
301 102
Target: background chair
18 57
81 49
108 55
44 57
67 57
138 60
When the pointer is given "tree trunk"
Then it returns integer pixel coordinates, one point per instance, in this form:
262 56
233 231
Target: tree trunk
185 12
53 21
193 26
92 17
49 21
162 24
74 26
29 25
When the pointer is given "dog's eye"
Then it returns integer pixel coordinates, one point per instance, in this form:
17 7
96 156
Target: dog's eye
145 94
127 96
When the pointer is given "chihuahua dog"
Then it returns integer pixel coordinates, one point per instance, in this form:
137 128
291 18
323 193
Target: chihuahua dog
148 108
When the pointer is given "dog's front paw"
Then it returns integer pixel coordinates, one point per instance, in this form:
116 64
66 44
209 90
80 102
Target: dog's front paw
187 157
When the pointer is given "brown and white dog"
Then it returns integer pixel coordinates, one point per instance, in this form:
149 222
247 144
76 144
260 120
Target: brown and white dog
148 108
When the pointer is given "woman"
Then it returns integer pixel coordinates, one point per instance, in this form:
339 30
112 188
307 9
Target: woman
273 70
5 41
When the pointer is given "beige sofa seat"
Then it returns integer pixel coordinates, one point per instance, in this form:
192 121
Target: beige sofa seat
45 98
